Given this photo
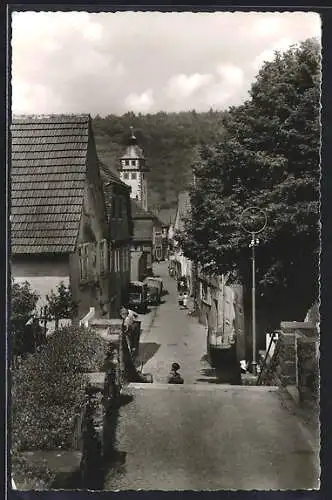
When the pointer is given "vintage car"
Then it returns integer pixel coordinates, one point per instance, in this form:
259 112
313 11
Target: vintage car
155 289
137 296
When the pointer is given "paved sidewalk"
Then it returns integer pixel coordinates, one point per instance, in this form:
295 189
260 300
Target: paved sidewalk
208 437
175 336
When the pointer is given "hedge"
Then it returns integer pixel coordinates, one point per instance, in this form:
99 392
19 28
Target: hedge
48 388
36 476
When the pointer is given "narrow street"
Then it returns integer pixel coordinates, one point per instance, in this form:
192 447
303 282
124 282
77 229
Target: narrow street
170 334
203 435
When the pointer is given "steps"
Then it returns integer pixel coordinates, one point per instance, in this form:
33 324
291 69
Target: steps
202 387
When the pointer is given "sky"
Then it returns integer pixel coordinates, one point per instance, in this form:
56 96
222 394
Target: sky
112 63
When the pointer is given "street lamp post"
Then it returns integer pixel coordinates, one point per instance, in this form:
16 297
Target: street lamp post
251 224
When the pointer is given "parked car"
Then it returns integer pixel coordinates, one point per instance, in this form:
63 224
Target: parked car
137 296
155 289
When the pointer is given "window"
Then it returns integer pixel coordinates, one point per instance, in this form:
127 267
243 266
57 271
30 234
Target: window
116 258
126 176
133 175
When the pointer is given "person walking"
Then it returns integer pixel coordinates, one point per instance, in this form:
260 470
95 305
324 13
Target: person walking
132 328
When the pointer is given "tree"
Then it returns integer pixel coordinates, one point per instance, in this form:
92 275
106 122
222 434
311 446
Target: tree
23 303
61 303
268 157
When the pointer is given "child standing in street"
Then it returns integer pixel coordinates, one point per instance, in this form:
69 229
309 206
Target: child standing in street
174 377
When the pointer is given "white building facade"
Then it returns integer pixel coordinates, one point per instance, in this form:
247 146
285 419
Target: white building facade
133 170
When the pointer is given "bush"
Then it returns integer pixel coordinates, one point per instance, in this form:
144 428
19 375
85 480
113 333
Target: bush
61 303
23 303
78 349
48 388
29 476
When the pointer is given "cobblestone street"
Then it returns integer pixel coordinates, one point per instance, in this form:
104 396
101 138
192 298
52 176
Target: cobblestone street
203 435
170 334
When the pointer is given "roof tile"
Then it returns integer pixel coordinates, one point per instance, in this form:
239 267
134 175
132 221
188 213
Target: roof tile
49 155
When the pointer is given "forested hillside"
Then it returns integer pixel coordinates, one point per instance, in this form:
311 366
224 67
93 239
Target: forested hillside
169 141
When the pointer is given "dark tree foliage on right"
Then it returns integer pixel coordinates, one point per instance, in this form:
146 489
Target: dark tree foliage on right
269 157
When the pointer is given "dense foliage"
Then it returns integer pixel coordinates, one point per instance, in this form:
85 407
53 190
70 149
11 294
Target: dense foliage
48 388
60 304
23 304
31 476
268 157
168 140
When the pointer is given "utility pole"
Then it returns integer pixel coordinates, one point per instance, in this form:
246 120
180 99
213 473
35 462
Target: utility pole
253 220
253 243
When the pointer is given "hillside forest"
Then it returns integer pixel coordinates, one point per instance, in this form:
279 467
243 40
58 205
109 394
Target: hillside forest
170 142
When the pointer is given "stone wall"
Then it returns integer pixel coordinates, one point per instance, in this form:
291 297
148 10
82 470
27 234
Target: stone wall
93 440
295 361
102 391
307 351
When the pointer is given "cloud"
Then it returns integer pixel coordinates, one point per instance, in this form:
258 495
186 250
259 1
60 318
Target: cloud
148 61
268 26
230 74
26 96
183 86
268 54
140 103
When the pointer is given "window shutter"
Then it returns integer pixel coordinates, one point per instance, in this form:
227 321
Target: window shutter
90 261
105 256
98 257
81 261
111 259
85 255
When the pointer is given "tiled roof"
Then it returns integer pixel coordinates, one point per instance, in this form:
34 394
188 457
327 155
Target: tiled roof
142 230
167 215
139 212
109 175
142 222
183 209
133 152
48 171
109 178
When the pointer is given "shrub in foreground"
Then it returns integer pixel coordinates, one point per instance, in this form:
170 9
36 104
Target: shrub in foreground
28 476
48 388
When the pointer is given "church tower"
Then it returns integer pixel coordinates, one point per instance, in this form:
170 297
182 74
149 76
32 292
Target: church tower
133 170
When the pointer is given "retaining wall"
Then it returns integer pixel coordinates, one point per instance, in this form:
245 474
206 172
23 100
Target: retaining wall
295 361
